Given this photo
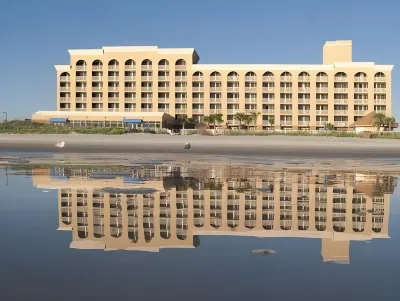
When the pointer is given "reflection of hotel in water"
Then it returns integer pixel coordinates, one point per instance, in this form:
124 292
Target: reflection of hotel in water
335 208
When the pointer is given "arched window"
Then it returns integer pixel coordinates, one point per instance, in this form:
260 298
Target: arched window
286 76
130 65
304 77
81 65
65 76
339 228
180 62
322 77
163 64
113 65
97 65
379 77
250 76
340 77
233 76
215 76
268 76
147 64
198 74
320 227
360 77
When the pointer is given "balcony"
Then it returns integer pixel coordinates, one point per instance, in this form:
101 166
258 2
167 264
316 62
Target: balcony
113 99
304 100
250 100
111 89
198 89
81 68
130 78
268 78
340 90
180 89
286 78
147 67
80 99
341 112
129 109
321 100
361 101
250 78
304 89
65 78
215 78
360 90
232 89
65 109
268 111
286 89
198 100
163 67
340 78
215 89
163 78
97 88
266 123
268 100
360 112
146 109
215 100
304 122
380 90
340 123
321 112
215 111
180 67
147 99
81 109
198 111
97 99
146 78
130 99
233 78
268 89
303 112
340 101
163 89
180 111
322 79
286 112
65 89
286 100
97 78
360 79
381 111
233 122
181 100
163 110
322 90
380 79
113 67
322 122
286 122
180 78
232 100
250 89
380 101
81 78
146 89
163 100
65 99
130 89
233 111
304 78
113 109
97 109
198 78
113 78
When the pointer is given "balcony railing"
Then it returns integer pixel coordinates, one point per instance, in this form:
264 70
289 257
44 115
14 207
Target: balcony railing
198 78
180 78
163 110
80 99
232 89
322 122
361 101
286 100
250 89
360 112
322 79
197 100
286 78
215 78
266 123
146 89
380 90
163 78
181 100
180 111
113 67
268 78
233 78
341 112
215 89
340 123
113 89
380 101
250 78
321 100
197 89
304 112
147 67
360 79
321 112
163 89
285 122
65 78
130 89
215 100
81 68
180 67
286 89
147 78
268 89
322 89
65 99
146 109
80 109
233 111
340 78
286 112
232 100
163 67
97 109
147 99
304 78
130 67
304 89
381 111
113 78
380 79
269 111
340 101
81 78
80 89
304 100
129 78
129 109
65 109
163 100
233 122
304 122
340 90
268 100
97 99
215 111
250 100
97 78
113 109
130 99
113 99
198 111
97 67
360 90
97 88
180 89
65 89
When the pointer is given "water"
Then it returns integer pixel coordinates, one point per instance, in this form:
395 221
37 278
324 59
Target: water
336 235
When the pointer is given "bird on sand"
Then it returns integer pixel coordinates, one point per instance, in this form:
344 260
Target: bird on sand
60 145
187 145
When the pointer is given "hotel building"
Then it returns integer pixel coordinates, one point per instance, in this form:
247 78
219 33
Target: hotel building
335 207
109 86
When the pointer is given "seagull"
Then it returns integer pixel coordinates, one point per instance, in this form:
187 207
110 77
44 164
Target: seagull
187 145
60 144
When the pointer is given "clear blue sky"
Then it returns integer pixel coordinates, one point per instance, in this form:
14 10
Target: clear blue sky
36 35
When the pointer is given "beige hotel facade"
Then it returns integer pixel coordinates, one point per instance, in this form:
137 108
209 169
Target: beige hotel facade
157 85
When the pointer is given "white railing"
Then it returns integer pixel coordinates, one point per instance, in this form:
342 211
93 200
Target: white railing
147 67
163 78
181 100
97 88
147 99
285 122
380 90
304 122
268 89
80 89
180 67
130 89
250 89
215 78
304 78
65 109
180 78
130 67
250 100
360 112
198 78
340 90
286 112
113 88
97 78
81 78
198 111
113 99
340 101
268 100
130 99
304 100
233 122
286 89
304 89
113 67
197 89
322 89
321 100
233 78
341 112
65 78
65 89
321 112
147 78
163 67
322 78
232 89
97 99
304 112
65 99
97 109
163 110
268 111
233 111
80 99
286 100
360 79
360 101
129 78
340 123
215 89
250 78
146 109
80 109
266 123
361 90
130 109
322 122
163 100
232 100
180 111
286 78
268 78
113 78
113 109
97 67
163 89
340 78
380 101
380 79
146 89
81 68
180 89
215 100
197 100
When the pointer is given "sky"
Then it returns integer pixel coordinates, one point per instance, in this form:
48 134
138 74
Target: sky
36 35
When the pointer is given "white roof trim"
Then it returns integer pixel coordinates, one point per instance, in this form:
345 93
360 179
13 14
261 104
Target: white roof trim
104 114
86 52
255 67
63 68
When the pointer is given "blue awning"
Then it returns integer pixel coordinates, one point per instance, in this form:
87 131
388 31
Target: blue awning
58 120
132 120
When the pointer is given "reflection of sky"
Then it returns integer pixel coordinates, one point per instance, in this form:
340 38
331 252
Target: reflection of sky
36 261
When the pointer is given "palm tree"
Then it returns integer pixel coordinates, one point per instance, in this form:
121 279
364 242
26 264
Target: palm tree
183 119
208 120
254 117
240 117
247 120
271 121
379 120
218 119
390 122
